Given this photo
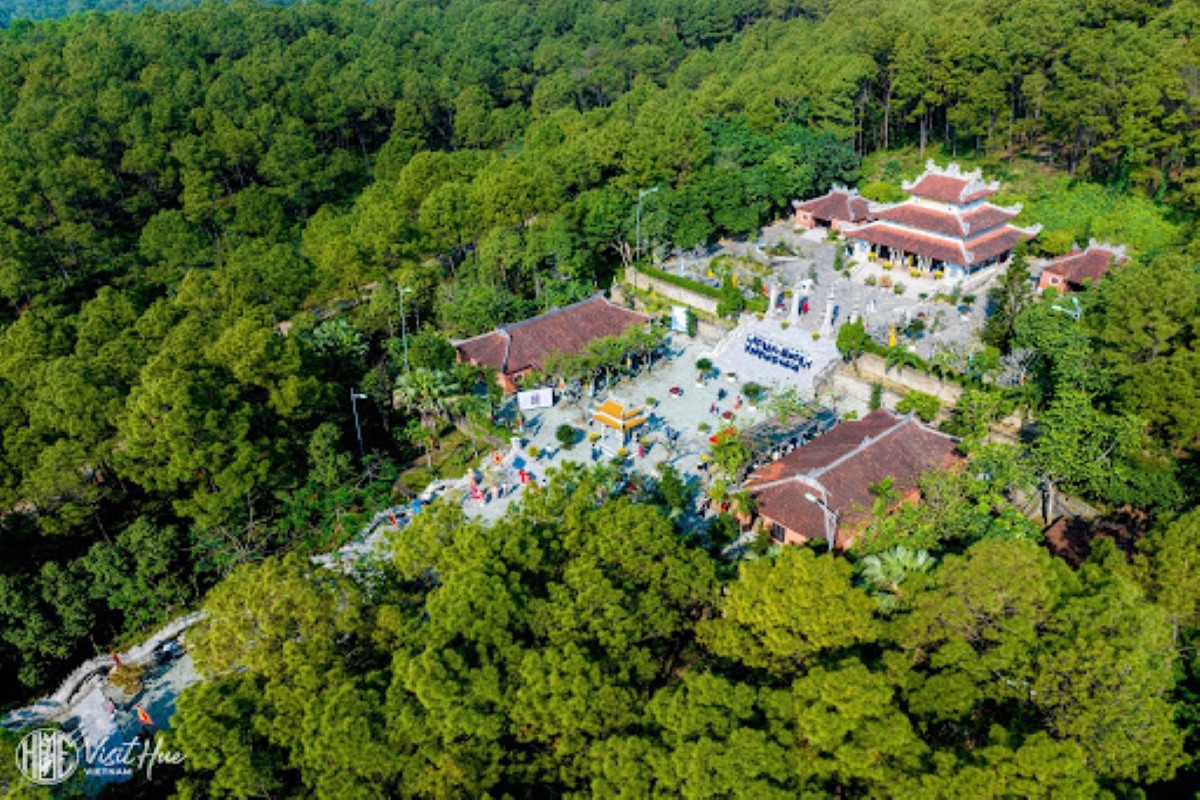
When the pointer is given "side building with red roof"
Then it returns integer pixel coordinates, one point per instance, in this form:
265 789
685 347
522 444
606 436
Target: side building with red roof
517 349
1080 268
823 489
837 207
946 225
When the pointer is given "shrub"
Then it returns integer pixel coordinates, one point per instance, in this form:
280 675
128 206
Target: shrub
898 288
850 416
883 192
593 437
886 281
754 392
816 335
914 272
876 396
887 265
783 324
128 678
870 280
566 435
925 406
939 274
534 451
703 427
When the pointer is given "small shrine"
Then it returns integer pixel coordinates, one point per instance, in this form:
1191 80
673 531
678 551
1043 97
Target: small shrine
619 417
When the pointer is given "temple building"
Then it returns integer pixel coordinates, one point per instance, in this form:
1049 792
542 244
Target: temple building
823 490
946 226
1080 268
514 351
837 207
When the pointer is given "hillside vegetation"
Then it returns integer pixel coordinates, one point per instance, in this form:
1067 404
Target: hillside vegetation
176 188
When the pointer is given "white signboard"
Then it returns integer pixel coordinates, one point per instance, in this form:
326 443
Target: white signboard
535 398
679 319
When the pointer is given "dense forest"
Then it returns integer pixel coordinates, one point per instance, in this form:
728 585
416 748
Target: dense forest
178 188
14 10
584 646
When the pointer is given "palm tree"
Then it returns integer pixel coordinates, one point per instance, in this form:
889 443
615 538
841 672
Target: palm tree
742 506
901 357
885 572
431 394
944 361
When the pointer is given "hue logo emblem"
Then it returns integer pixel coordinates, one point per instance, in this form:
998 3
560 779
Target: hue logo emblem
47 756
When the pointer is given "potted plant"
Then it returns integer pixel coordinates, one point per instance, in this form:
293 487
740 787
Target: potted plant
898 288
704 366
565 434
593 437
754 392
534 451
816 335
869 280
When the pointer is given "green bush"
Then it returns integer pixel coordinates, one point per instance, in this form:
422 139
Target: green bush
683 283
882 192
925 406
566 435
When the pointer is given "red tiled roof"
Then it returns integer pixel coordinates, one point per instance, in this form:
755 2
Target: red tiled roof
966 253
847 461
838 204
948 189
881 233
526 344
994 243
1079 266
948 223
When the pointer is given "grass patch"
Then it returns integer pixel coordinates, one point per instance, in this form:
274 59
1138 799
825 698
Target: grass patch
1069 211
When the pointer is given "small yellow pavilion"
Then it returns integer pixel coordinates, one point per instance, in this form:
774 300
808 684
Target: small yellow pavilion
619 417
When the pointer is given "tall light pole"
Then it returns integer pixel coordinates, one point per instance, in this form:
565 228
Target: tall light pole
404 328
637 244
1075 312
831 516
354 398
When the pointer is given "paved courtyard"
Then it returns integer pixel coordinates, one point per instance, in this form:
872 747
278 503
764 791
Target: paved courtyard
879 308
673 434
732 357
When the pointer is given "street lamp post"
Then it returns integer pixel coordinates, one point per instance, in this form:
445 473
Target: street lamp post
404 328
637 247
831 516
354 398
1075 312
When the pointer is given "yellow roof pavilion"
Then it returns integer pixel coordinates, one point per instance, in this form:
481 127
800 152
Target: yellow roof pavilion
617 416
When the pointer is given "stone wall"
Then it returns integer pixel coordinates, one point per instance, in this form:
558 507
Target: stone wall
873 368
671 292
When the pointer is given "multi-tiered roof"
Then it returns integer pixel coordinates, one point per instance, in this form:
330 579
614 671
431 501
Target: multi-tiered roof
946 219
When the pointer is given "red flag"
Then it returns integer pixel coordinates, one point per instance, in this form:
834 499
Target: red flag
144 717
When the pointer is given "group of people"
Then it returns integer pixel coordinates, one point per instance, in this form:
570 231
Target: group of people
776 354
